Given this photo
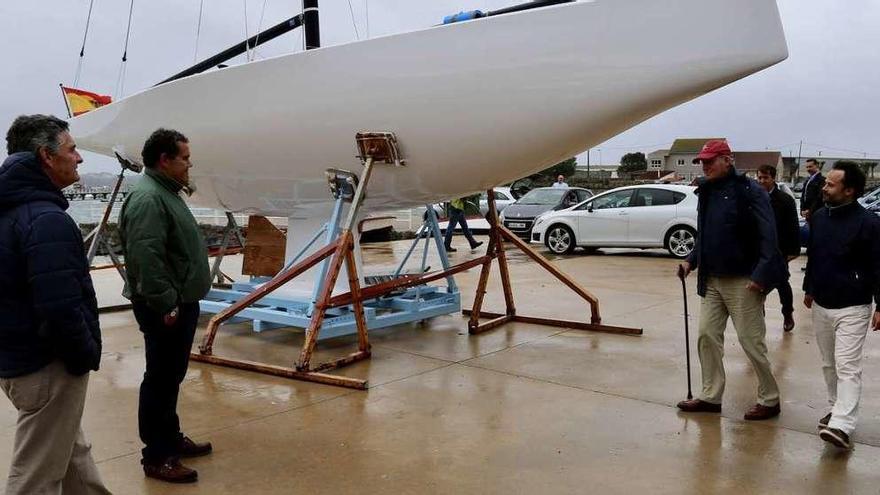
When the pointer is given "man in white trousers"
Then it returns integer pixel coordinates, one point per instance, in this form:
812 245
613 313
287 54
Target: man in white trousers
843 276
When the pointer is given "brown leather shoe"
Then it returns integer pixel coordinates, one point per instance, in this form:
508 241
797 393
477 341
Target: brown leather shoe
759 412
189 448
171 470
697 405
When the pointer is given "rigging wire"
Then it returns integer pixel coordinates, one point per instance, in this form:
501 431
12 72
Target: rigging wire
247 36
353 22
259 28
120 82
198 31
82 51
302 31
367 15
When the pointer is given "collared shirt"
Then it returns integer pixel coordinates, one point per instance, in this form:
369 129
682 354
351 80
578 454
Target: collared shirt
560 184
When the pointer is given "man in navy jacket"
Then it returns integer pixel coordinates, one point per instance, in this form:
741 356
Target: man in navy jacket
787 234
842 279
49 333
739 262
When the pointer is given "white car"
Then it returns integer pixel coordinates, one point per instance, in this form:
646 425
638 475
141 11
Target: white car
503 197
644 216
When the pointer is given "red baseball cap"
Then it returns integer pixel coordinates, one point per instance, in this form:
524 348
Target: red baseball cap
712 149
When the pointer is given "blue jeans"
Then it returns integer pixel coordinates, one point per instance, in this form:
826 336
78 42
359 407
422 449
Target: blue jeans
456 216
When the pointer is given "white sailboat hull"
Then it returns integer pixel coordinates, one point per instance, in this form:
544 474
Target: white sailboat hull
473 104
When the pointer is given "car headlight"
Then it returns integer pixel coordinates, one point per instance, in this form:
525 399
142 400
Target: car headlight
539 220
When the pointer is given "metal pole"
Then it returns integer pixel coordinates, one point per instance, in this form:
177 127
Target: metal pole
311 24
93 248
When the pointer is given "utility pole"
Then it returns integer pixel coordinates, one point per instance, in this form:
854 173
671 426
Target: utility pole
588 164
797 170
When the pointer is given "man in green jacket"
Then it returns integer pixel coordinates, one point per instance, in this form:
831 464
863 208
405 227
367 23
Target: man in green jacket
168 274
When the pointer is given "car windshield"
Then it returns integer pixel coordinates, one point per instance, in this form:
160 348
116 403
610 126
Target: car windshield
543 196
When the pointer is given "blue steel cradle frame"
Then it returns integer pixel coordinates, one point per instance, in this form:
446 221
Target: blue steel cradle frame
414 304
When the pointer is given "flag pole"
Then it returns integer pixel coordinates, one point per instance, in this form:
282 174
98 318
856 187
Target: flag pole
64 97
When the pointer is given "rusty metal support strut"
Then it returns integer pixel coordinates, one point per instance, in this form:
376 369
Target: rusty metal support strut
498 234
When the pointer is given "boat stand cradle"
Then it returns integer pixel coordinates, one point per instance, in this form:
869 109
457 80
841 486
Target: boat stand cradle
348 310
321 317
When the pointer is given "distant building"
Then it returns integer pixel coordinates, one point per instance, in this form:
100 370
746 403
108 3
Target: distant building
657 160
608 171
749 161
679 159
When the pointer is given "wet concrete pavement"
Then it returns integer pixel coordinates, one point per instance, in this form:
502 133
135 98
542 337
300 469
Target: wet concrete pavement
522 409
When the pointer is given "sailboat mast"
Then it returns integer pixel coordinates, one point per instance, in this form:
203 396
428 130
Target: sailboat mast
311 24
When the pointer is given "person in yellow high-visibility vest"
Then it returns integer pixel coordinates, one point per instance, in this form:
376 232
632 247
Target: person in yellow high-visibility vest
456 216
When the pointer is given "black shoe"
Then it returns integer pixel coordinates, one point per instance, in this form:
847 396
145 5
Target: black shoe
451 250
823 423
170 470
788 324
835 437
476 245
189 448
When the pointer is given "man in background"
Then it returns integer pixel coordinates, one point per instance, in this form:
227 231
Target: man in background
811 200
560 181
457 217
787 236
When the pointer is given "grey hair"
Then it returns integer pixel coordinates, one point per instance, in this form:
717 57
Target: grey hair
32 132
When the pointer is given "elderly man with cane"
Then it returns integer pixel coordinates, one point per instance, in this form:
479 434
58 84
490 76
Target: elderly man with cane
739 262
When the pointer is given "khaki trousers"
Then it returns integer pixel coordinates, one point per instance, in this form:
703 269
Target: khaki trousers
51 455
729 297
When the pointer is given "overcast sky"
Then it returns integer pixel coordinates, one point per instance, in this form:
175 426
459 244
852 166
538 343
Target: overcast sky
827 93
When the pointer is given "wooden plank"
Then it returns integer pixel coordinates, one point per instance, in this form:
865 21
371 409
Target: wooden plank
574 325
343 244
357 301
378 290
501 254
265 248
495 322
343 361
556 272
268 369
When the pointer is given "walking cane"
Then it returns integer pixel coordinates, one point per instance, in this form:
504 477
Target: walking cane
687 339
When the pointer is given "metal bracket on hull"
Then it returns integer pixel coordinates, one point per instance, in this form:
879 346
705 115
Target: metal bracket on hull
321 317
498 234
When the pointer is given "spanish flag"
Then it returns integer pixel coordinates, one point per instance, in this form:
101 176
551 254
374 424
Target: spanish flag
80 102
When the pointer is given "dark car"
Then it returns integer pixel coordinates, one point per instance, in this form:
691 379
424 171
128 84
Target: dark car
520 216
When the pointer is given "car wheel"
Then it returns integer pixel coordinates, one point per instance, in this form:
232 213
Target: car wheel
680 241
559 239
